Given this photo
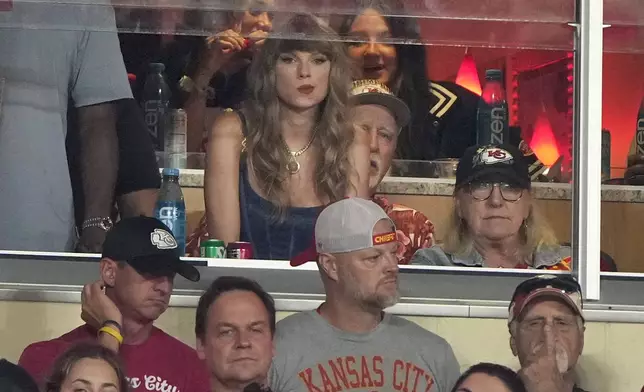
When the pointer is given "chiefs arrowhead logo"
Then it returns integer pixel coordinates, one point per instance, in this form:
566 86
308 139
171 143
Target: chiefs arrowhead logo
492 156
162 239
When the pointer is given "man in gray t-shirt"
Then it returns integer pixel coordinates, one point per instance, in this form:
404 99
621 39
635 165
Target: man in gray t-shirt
51 51
349 343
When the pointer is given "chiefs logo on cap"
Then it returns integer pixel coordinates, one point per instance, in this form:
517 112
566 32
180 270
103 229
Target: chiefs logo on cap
162 239
492 156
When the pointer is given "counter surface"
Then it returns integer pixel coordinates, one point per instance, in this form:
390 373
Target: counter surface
445 187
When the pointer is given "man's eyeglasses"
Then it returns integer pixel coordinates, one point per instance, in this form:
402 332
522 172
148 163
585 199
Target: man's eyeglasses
483 191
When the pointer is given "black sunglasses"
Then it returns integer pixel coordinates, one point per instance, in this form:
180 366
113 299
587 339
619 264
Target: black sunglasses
564 283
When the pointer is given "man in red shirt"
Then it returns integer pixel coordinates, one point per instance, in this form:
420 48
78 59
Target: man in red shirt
137 270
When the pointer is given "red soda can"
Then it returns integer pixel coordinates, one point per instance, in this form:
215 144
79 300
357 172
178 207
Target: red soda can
240 250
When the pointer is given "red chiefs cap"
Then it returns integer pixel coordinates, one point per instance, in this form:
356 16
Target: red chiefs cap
562 287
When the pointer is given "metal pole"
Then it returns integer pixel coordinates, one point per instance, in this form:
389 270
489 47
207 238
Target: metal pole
586 235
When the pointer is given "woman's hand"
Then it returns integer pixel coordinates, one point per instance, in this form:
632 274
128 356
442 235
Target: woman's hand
220 49
96 307
226 43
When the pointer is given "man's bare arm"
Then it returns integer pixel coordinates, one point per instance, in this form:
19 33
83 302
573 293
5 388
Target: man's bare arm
99 166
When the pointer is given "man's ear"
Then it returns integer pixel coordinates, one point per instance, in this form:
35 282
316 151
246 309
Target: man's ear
199 347
108 268
457 207
329 264
513 342
513 346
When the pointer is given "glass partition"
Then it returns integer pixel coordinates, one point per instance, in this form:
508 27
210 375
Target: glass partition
450 44
622 119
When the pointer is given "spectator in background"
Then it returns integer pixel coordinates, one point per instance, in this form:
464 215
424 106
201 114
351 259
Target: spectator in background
235 324
216 74
443 121
87 367
40 70
137 272
547 326
13 378
489 377
495 222
355 251
299 152
381 115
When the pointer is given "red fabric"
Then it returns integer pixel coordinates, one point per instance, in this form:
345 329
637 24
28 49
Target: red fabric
414 230
161 363
6 5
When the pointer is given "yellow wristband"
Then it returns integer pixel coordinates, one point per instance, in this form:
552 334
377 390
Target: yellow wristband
112 332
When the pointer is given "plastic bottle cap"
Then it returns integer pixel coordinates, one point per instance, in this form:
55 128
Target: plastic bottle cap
495 74
157 67
171 172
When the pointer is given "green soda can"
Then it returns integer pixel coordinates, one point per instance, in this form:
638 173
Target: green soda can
213 249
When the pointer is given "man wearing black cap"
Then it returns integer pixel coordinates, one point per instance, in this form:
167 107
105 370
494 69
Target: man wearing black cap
138 266
547 328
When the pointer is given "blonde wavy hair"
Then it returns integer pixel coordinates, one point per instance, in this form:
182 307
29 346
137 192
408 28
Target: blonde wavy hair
264 143
535 233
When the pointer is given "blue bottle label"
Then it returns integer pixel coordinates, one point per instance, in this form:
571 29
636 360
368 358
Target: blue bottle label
173 215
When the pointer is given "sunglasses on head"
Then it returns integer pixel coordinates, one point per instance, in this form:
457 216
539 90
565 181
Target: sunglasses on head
564 283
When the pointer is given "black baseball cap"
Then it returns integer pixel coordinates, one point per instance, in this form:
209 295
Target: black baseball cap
491 163
148 246
15 378
562 287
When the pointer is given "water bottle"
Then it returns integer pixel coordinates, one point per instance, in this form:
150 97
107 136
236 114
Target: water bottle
171 209
639 131
155 101
492 115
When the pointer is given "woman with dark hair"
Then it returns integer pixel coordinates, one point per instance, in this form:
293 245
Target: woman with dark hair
489 377
299 152
443 122
90 367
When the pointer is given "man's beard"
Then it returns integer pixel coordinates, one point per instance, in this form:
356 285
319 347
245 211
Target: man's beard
376 300
256 387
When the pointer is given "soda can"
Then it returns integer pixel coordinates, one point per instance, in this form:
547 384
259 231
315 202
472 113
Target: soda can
240 250
213 249
605 157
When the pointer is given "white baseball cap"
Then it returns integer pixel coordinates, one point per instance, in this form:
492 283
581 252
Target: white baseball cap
346 226
373 92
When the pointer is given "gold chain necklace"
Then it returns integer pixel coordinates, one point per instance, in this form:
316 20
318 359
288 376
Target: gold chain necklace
293 166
